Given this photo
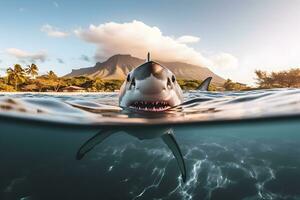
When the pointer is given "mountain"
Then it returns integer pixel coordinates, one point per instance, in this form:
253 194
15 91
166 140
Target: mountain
117 67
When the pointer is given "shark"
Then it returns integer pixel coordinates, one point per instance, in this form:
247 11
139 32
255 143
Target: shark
153 87
150 87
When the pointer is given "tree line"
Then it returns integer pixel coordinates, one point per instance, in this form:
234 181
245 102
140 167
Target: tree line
28 79
282 79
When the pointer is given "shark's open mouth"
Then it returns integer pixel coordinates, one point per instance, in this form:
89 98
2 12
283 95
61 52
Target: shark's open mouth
154 106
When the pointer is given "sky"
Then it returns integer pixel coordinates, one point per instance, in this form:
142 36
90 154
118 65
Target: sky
233 38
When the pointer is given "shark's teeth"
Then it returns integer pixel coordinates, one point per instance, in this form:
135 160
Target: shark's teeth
150 105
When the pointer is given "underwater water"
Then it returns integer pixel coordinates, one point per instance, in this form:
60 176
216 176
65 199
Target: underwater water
235 145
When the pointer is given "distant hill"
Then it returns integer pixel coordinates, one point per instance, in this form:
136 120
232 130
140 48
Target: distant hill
117 67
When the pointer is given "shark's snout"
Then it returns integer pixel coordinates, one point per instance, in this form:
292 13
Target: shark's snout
150 94
150 87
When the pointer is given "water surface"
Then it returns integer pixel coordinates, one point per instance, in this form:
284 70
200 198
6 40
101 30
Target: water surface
236 145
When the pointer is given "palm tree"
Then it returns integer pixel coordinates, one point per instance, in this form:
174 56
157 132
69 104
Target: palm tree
32 70
16 75
51 75
55 81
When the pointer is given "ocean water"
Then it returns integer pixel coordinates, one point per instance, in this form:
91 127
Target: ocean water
235 145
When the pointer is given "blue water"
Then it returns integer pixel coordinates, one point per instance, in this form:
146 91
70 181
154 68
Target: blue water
236 145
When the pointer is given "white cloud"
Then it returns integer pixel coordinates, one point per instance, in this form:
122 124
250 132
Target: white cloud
24 55
224 61
53 31
188 39
137 38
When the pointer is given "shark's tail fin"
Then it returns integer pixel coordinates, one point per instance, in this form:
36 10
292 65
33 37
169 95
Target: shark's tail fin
170 141
205 84
94 141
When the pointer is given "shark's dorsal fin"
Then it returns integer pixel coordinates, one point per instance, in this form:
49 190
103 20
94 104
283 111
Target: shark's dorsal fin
170 141
148 56
205 84
94 141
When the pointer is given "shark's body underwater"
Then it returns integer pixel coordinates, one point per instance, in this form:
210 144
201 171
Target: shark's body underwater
150 87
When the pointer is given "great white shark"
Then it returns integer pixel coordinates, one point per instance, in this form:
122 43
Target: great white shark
150 87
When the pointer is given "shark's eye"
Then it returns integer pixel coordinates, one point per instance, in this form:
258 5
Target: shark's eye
173 78
169 83
128 78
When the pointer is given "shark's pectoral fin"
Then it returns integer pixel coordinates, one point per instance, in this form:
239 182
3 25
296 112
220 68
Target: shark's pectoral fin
205 84
92 142
170 141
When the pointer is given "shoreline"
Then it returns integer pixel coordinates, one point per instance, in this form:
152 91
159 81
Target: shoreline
59 93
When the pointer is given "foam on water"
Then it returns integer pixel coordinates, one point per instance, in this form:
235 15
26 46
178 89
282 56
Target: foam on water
236 145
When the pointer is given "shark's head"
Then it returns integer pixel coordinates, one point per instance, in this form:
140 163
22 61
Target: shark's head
150 87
